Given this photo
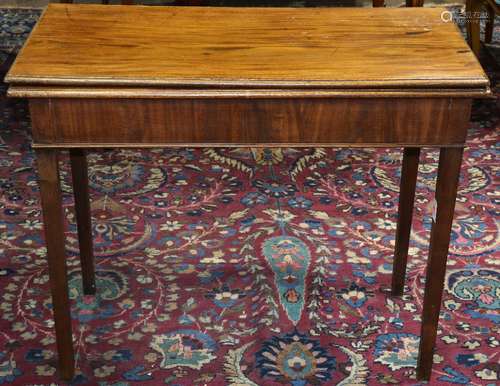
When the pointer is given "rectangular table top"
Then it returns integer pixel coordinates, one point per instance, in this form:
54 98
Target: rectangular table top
216 48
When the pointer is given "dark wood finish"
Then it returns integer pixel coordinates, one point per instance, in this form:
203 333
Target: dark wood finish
409 173
446 192
99 76
124 2
83 217
50 193
300 122
473 10
84 45
191 3
6 64
473 7
488 31
414 3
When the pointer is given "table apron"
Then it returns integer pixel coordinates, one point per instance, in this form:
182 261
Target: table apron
77 122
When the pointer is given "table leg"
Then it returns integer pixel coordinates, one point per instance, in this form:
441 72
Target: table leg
446 192
414 3
408 183
490 24
473 12
53 219
83 218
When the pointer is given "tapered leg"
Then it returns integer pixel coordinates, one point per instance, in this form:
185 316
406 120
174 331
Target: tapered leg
490 23
83 218
408 183
473 9
54 238
414 3
446 192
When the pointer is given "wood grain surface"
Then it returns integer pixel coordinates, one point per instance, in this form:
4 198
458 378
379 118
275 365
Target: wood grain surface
445 196
214 47
53 220
408 183
74 122
28 91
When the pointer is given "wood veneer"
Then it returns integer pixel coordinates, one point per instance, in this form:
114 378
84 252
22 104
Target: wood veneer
112 76
211 122
246 47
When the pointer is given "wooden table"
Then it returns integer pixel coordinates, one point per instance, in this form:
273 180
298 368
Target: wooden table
118 76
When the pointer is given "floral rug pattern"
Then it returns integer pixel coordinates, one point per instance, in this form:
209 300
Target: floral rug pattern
250 266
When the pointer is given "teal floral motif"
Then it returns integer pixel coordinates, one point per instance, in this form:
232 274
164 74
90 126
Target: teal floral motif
396 350
110 286
481 287
184 348
289 258
107 229
8 370
469 229
355 295
275 189
125 176
474 235
225 297
295 358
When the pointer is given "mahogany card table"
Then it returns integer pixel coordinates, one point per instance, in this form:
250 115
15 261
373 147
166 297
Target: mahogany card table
130 76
